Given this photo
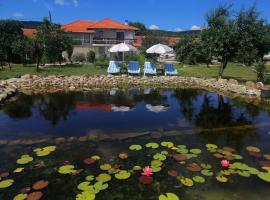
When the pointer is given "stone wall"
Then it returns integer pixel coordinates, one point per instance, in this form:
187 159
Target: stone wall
35 84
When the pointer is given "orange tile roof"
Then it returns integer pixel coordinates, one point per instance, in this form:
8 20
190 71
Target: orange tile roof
29 32
111 24
79 26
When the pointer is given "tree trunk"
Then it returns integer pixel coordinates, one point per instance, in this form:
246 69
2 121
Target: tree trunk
223 65
38 62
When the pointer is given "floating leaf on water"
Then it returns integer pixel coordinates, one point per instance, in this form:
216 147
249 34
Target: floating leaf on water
18 170
186 181
95 157
25 159
165 153
206 166
243 173
146 180
253 171
182 151
266 168
103 178
253 149
123 155
211 146
218 155
105 166
89 161
168 196
207 172
230 149
159 156
152 145
222 179
135 147
40 184
198 179
264 176
89 178
156 163
100 185
113 171
122 174
173 173
239 165
195 151
35 196
267 156
137 168
237 156
86 195
167 144
180 157
6 183
225 172
181 146
156 169
20 197
66 169
44 151
84 186
194 167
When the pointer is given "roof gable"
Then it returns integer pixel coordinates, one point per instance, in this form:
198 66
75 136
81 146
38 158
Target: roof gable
79 26
111 24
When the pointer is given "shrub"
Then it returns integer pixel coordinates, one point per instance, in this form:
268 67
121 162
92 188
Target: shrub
136 57
91 56
78 57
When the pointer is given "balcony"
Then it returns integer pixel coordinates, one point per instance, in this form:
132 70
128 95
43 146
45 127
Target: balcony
101 41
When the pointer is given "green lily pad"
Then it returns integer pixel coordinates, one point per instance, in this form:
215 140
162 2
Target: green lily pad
187 182
239 165
167 144
122 174
182 151
159 156
211 146
86 195
253 149
181 146
105 166
156 168
135 147
156 163
207 172
168 196
198 179
152 145
89 178
237 156
101 186
6 183
206 166
44 151
195 151
222 179
113 171
25 159
137 168
66 169
243 173
103 178
95 157
84 186
264 176
20 196
165 153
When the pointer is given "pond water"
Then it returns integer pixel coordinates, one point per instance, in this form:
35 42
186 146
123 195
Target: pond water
92 145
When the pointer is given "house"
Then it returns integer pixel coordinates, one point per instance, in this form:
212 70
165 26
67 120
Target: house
98 36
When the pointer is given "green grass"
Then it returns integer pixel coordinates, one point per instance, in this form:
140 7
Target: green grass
233 70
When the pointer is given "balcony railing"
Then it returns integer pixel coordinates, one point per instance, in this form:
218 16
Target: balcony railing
103 41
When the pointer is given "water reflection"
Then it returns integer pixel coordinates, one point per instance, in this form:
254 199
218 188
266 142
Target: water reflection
133 110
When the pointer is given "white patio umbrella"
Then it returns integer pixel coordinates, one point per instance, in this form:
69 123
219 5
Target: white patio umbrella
122 47
159 49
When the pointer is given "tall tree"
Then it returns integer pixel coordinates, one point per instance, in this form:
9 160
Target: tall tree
142 28
221 33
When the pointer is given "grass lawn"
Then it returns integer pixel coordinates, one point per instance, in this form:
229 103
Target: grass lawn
233 70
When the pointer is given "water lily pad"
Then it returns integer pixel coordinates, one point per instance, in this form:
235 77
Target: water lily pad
6 183
35 196
18 170
267 156
89 178
146 180
100 185
180 157
159 156
264 176
253 149
168 196
243 173
156 163
20 197
66 169
137 168
218 155
194 167
182 146
105 166
198 179
222 179
95 157
207 172
156 168
44 151
122 174
206 166
25 159
182 151
152 145
135 147
40 184
89 161
113 171
211 146
187 181
173 173
103 177
86 195
84 186
167 144
195 151
123 155
165 153
225 172
237 156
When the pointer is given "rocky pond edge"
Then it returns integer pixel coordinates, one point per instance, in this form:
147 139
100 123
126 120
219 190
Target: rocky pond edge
33 84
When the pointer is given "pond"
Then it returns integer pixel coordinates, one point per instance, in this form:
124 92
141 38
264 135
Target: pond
97 145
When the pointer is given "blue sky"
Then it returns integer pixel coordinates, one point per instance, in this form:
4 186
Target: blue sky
162 14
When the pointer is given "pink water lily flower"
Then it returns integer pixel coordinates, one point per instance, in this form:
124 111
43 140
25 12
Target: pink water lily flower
225 163
147 171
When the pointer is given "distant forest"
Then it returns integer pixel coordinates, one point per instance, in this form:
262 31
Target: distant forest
161 33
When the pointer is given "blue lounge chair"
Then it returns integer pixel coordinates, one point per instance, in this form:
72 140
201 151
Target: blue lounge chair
134 67
169 69
149 68
113 68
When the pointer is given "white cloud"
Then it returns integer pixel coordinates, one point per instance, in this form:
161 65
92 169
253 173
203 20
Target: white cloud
178 29
18 15
75 3
195 28
60 2
153 27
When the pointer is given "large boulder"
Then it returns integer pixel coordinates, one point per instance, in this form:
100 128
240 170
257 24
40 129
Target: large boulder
233 81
